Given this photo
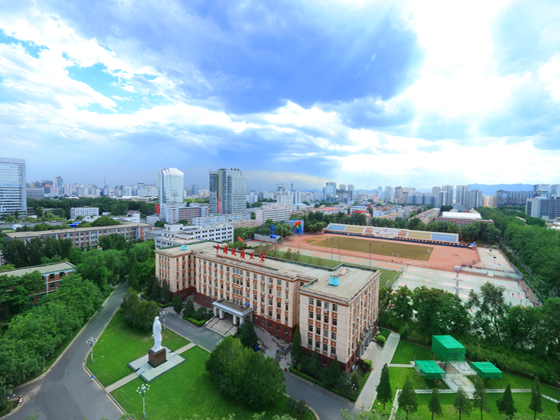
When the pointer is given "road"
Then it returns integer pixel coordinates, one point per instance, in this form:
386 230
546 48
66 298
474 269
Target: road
327 405
66 392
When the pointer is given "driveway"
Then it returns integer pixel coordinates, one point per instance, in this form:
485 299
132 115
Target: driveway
66 391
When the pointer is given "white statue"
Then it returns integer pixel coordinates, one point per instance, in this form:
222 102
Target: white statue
156 335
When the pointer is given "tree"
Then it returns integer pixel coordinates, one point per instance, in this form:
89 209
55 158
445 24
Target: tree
462 403
189 309
177 304
156 290
405 331
407 398
403 303
164 292
536 398
480 397
333 372
434 404
492 310
386 297
132 280
314 366
248 335
505 403
383 389
297 352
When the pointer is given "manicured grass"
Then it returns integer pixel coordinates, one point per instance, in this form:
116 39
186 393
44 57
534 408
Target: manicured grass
521 402
413 252
185 391
518 382
306 259
384 332
121 344
406 352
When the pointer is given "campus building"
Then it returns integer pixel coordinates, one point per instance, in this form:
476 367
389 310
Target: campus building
83 211
228 192
52 275
170 185
13 195
175 212
223 218
274 212
461 219
82 237
172 235
336 310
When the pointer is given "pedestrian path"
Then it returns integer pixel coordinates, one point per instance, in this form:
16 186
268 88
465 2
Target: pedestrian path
185 348
410 365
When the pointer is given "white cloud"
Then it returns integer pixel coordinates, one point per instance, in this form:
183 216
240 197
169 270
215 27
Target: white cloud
550 75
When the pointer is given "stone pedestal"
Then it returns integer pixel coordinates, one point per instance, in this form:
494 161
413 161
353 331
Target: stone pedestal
157 358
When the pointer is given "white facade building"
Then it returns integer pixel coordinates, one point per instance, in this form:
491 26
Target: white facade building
172 235
13 194
170 186
275 212
83 211
224 218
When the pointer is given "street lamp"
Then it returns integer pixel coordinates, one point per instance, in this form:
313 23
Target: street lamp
143 389
163 313
10 395
44 361
91 342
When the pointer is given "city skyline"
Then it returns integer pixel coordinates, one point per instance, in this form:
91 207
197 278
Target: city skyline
344 92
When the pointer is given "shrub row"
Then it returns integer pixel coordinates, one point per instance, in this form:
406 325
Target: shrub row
194 321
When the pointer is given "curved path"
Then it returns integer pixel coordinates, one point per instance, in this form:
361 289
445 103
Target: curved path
66 391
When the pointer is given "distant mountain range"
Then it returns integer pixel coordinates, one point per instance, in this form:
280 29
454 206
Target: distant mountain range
491 189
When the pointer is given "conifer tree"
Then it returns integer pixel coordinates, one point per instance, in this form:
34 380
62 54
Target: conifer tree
480 397
297 352
536 400
435 405
505 403
177 304
384 391
165 292
407 399
462 403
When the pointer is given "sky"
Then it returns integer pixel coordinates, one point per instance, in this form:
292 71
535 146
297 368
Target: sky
357 92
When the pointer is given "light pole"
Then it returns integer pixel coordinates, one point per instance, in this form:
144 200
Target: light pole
91 342
163 313
10 395
143 389
44 361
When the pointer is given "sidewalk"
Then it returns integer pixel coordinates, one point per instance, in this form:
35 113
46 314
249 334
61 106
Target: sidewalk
381 356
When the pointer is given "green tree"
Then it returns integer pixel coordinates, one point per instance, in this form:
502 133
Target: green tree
383 389
480 397
536 398
164 292
177 304
132 280
434 404
405 331
407 399
314 366
333 372
156 290
505 403
297 352
462 403
402 303
248 335
189 309
491 310
386 298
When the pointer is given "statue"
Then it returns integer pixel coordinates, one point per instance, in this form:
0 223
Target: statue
156 335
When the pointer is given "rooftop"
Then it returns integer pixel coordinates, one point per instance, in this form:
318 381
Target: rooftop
24 235
43 269
351 281
458 215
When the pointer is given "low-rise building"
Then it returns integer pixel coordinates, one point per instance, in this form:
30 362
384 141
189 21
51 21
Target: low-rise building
220 219
82 237
52 275
428 216
274 212
84 212
174 213
172 235
462 219
337 310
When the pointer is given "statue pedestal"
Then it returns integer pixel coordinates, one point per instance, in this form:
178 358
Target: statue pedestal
157 358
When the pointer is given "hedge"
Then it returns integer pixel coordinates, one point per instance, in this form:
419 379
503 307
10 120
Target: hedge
195 322
161 305
380 339
367 364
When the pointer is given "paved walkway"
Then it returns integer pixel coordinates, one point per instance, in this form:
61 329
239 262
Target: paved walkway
381 356
121 382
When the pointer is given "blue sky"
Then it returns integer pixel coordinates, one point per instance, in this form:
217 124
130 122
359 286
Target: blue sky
358 92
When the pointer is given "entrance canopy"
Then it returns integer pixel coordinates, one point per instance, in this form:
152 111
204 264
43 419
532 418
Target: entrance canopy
232 308
448 349
486 370
429 369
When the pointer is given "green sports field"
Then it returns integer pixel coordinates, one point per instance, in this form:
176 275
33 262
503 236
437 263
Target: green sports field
411 252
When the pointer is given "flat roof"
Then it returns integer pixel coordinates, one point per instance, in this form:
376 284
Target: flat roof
458 215
33 234
351 281
43 269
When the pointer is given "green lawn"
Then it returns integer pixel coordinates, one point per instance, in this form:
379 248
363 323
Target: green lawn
518 382
406 352
185 391
120 344
413 252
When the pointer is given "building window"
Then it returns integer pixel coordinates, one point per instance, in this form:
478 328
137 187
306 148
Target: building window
333 336
317 345
318 303
325 347
310 314
317 330
277 327
325 333
309 342
318 317
335 307
278 305
333 350
270 313
334 322
326 305
279 294
326 319
311 301
269 324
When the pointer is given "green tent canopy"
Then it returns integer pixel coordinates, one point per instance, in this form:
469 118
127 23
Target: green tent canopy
486 370
429 369
448 349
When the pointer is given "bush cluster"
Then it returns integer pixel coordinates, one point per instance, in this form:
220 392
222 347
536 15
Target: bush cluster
200 314
380 339
137 313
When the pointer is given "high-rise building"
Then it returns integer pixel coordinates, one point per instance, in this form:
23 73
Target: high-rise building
228 192
388 193
13 194
442 199
59 185
436 190
351 190
342 187
476 199
542 187
380 188
555 189
330 191
170 185
462 197
449 196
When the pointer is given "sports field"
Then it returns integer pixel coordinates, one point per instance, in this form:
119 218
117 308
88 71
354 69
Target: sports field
412 252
